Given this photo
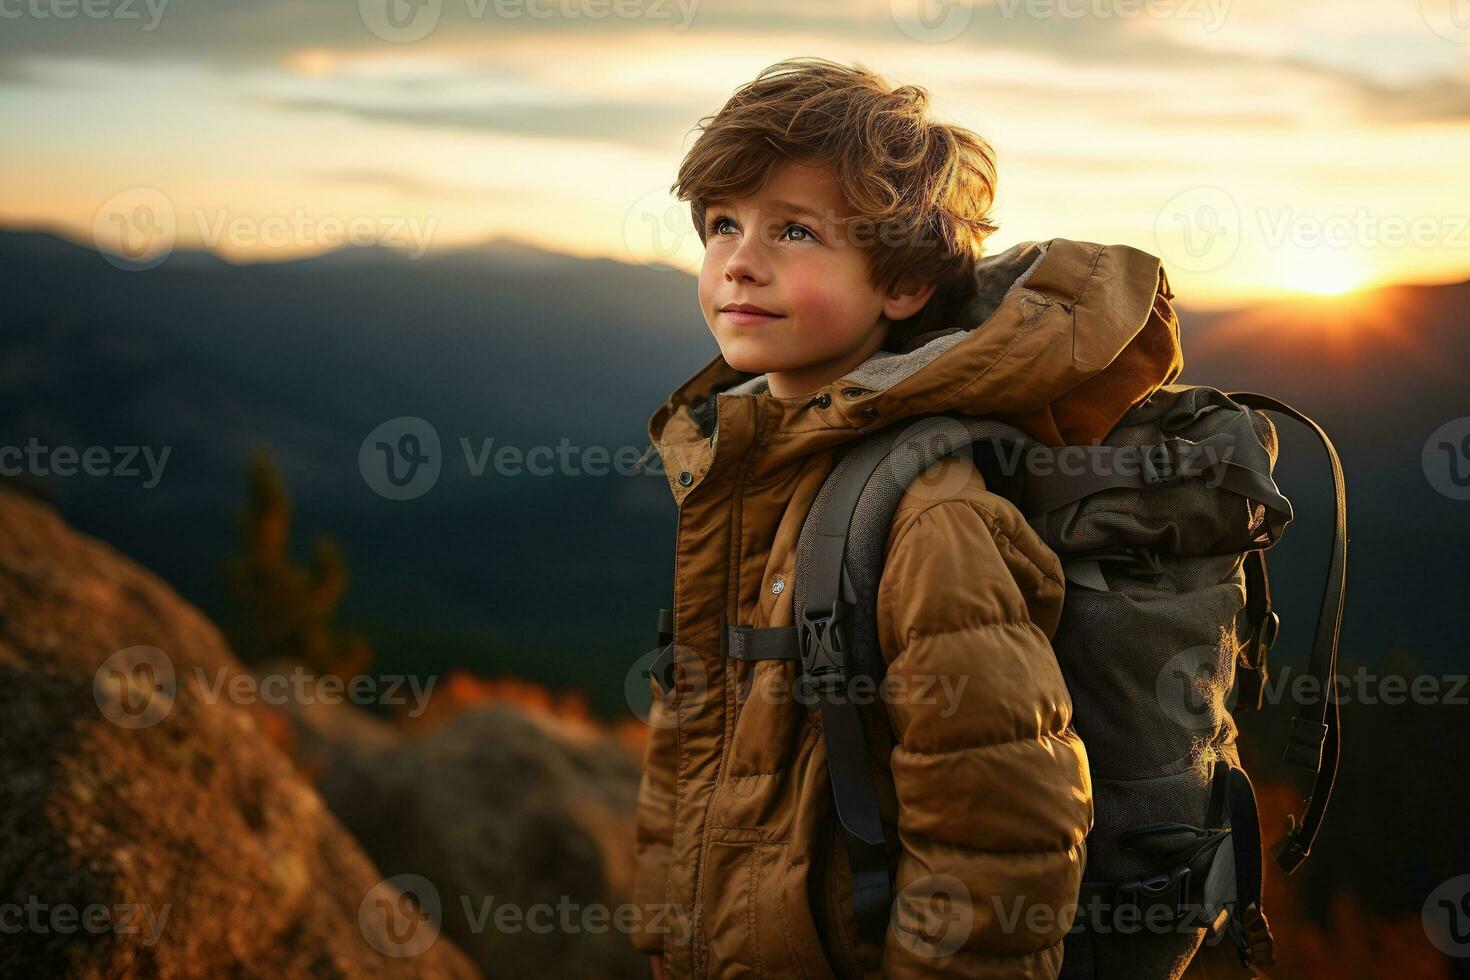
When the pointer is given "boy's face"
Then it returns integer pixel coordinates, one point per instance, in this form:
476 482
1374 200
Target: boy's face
785 250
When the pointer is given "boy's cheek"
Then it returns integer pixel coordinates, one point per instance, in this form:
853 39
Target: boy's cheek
831 314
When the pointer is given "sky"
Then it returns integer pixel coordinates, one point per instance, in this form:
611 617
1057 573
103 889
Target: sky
1259 147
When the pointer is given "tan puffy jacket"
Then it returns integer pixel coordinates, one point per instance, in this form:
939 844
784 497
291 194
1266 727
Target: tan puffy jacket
736 839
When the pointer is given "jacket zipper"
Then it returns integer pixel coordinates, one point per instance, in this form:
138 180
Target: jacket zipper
700 952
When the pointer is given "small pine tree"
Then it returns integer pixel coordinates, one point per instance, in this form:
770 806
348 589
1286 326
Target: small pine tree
287 608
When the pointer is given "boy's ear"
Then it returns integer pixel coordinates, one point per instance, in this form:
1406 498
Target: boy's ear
909 298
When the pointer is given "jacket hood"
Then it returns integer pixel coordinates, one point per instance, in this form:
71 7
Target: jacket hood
1060 338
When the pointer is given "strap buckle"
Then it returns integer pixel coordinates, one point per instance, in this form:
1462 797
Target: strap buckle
822 637
1252 935
1304 748
1291 852
1160 463
662 669
1259 643
1171 887
1270 629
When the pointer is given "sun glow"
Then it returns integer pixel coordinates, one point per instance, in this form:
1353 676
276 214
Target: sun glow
1322 272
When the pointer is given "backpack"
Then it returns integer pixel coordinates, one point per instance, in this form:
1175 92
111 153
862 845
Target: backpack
1167 617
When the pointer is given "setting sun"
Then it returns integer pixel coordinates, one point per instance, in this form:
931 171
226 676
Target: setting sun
1322 272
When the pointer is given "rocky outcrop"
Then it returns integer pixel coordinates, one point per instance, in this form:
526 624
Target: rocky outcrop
147 825
519 824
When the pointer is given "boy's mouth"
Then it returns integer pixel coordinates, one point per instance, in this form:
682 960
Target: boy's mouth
747 313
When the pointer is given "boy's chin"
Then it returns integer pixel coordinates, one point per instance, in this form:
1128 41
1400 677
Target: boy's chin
745 357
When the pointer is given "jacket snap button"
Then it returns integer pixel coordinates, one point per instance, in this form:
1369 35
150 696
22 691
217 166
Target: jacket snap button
685 477
778 586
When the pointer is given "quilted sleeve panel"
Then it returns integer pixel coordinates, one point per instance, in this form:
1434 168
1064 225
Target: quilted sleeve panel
994 793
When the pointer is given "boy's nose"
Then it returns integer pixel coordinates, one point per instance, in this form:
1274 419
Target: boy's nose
746 264
738 270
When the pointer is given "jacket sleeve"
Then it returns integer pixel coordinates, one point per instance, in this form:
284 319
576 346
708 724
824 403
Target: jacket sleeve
654 824
994 794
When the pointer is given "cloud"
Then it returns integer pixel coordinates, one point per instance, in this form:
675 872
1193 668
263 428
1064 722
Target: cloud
641 126
230 36
408 185
567 77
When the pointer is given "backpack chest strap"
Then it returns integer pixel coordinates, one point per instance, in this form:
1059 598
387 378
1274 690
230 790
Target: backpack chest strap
761 643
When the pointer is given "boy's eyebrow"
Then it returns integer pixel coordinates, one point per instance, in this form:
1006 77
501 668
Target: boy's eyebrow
789 206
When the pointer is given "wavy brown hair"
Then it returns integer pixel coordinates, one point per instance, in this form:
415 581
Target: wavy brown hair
923 188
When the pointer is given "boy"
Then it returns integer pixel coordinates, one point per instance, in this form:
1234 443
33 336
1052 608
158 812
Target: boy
843 234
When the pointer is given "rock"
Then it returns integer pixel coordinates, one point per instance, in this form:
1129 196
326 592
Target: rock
147 825
501 808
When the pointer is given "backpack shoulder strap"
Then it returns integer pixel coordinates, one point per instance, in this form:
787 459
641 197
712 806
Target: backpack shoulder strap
1315 742
839 562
